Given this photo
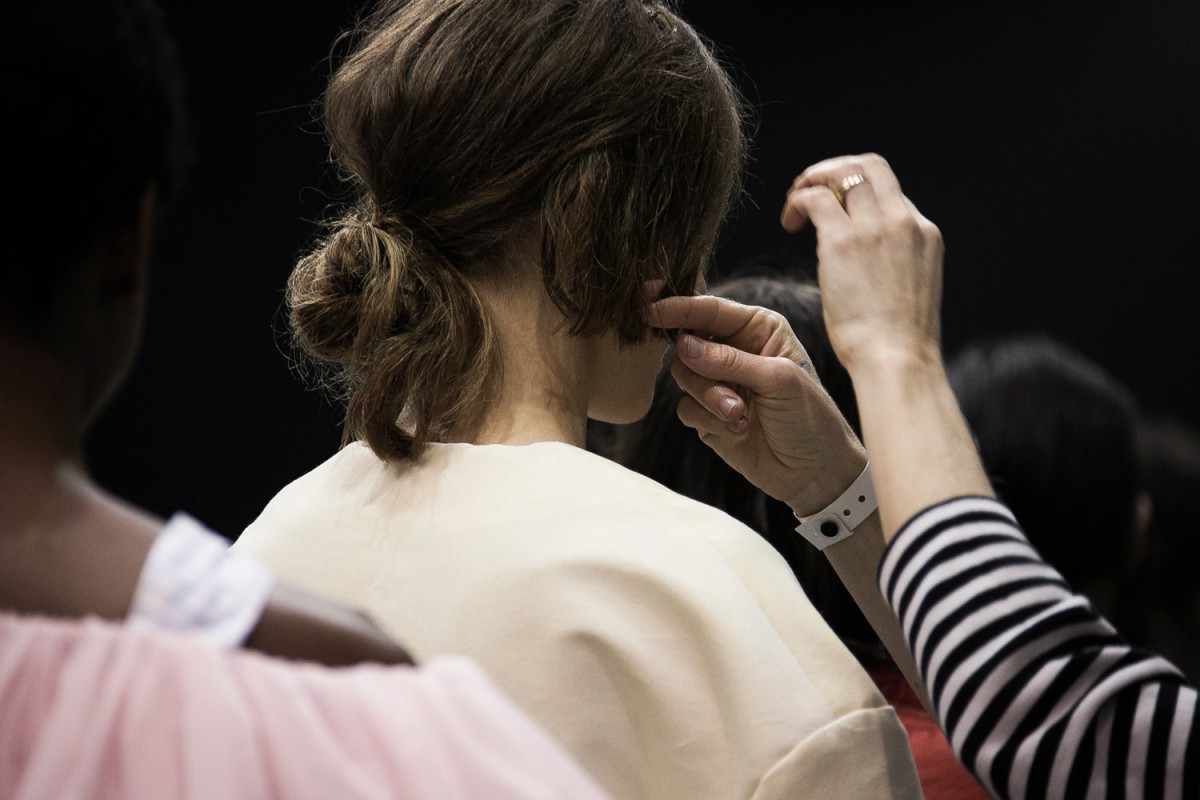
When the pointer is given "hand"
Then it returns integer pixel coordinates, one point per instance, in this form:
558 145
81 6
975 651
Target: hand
880 270
879 261
751 393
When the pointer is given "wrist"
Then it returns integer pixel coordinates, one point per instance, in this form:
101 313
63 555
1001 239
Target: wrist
896 373
838 521
890 360
829 482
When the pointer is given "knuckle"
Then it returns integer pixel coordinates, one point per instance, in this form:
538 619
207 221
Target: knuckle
933 234
773 317
726 358
926 235
844 167
804 197
875 160
910 225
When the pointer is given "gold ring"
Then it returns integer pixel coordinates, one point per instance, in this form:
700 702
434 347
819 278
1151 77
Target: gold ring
848 183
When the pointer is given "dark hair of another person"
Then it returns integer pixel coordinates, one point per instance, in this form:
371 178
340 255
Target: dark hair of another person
1170 456
660 447
601 136
1166 595
1056 434
89 130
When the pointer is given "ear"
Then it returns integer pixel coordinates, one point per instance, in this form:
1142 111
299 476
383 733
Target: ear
126 257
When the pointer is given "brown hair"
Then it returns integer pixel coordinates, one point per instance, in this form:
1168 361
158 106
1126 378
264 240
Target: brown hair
602 129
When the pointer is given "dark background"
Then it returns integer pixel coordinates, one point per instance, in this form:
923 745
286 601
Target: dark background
1056 148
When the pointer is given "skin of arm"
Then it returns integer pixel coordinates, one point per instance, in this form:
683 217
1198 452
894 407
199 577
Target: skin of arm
302 626
80 553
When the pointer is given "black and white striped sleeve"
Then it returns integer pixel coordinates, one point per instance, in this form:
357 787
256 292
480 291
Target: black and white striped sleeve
1038 695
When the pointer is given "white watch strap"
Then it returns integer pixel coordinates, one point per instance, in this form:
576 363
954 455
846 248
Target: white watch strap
838 520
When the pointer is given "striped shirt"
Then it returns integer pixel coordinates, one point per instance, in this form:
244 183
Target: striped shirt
1038 695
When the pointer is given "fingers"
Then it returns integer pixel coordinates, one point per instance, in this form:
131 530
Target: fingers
814 203
755 330
717 398
721 363
699 418
714 316
832 171
879 193
652 289
718 362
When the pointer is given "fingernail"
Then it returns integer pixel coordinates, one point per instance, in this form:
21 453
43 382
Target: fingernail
692 346
738 427
727 405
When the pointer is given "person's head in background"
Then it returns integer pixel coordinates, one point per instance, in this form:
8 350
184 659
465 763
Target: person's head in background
1167 592
93 93
663 448
524 174
1057 436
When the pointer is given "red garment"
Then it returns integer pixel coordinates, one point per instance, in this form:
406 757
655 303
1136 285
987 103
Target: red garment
942 776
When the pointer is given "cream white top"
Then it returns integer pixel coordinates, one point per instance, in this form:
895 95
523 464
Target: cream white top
665 644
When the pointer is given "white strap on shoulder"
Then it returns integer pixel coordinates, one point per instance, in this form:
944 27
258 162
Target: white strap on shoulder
191 582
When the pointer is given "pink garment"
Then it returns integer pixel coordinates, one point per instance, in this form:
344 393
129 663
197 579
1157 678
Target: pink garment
93 710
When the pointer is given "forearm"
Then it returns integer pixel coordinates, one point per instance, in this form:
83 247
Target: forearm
920 448
1036 691
856 561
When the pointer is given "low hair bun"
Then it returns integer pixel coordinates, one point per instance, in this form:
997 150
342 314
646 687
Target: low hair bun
386 319
325 290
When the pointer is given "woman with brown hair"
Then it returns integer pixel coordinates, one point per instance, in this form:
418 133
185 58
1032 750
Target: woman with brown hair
527 174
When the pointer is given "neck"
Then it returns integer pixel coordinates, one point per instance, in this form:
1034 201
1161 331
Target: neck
66 547
542 394
42 421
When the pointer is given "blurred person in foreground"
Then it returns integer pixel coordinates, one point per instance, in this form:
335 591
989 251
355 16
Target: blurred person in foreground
101 140
93 708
